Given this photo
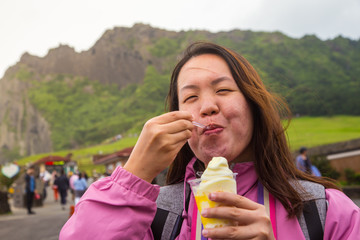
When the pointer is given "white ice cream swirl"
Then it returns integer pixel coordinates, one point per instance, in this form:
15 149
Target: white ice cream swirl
217 177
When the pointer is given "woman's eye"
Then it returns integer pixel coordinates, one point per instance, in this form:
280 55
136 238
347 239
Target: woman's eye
189 98
223 90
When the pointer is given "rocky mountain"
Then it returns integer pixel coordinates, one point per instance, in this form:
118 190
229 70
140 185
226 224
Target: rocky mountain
67 98
119 57
111 60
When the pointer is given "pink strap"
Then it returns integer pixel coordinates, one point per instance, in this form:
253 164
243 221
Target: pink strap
272 214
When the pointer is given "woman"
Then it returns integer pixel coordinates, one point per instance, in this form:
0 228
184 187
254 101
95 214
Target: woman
54 187
80 186
220 89
30 189
62 183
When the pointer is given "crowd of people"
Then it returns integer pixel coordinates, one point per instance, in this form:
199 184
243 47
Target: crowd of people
61 184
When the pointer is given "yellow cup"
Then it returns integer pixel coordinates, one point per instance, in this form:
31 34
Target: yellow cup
202 191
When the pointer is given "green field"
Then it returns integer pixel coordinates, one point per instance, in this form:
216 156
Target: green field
315 131
302 131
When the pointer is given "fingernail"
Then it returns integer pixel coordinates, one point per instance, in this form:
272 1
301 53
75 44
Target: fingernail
204 212
212 196
205 232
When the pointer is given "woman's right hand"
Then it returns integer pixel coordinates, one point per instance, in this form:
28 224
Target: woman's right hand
160 140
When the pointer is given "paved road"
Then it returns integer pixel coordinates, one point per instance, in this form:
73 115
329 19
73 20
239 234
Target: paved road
44 225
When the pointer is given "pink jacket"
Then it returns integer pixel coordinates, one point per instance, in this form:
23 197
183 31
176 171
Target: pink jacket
123 206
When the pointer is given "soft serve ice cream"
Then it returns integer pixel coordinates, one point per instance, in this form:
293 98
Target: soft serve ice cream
216 178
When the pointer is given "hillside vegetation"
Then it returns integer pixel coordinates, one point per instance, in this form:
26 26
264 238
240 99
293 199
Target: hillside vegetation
86 112
122 81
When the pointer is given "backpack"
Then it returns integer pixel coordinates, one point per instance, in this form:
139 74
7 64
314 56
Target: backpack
168 218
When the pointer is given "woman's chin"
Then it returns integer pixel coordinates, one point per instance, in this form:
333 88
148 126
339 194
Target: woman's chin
207 154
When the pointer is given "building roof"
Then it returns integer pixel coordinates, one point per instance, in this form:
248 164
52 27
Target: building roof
51 158
114 157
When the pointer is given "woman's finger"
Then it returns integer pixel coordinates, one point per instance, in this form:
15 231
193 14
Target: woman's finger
173 116
231 199
177 126
238 232
239 215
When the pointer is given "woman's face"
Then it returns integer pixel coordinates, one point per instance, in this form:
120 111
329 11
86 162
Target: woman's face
207 89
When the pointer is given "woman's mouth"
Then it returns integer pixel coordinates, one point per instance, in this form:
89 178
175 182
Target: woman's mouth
212 129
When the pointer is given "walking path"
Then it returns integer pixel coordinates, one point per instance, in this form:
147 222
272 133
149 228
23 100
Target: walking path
44 225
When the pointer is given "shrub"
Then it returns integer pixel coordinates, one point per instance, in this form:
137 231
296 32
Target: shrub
352 177
324 167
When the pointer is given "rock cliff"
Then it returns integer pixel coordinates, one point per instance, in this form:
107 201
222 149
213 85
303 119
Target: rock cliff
119 57
23 131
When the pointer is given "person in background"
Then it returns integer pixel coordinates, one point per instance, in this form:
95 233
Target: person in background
304 164
45 176
302 161
72 178
30 189
53 186
80 186
218 88
62 183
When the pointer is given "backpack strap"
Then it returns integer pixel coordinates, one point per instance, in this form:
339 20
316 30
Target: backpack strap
313 222
312 219
168 218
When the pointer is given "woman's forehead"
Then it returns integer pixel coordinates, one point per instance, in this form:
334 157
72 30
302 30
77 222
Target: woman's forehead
206 61
206 65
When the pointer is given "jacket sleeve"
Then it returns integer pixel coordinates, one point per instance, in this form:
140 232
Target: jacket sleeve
121 206
342 218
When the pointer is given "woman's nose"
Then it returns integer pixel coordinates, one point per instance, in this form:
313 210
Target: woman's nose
209 107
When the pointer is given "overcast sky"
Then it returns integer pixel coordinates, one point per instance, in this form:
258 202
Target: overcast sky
35 26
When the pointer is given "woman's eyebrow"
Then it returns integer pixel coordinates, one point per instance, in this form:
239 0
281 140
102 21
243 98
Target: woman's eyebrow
219 80
190 86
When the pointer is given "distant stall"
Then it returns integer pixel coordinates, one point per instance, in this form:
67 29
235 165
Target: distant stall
111 161
51 163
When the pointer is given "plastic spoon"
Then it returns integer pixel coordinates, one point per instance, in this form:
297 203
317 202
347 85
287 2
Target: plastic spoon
199 125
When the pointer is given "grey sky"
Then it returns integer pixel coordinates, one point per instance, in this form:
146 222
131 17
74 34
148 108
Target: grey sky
35 26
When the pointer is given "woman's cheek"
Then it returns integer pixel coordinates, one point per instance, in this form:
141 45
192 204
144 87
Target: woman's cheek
193 140
194 136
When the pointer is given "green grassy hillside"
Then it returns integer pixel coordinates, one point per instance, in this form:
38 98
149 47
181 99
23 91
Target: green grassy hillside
302 131
315 131
82 112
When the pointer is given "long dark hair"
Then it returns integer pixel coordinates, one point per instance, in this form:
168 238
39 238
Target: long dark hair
273 160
